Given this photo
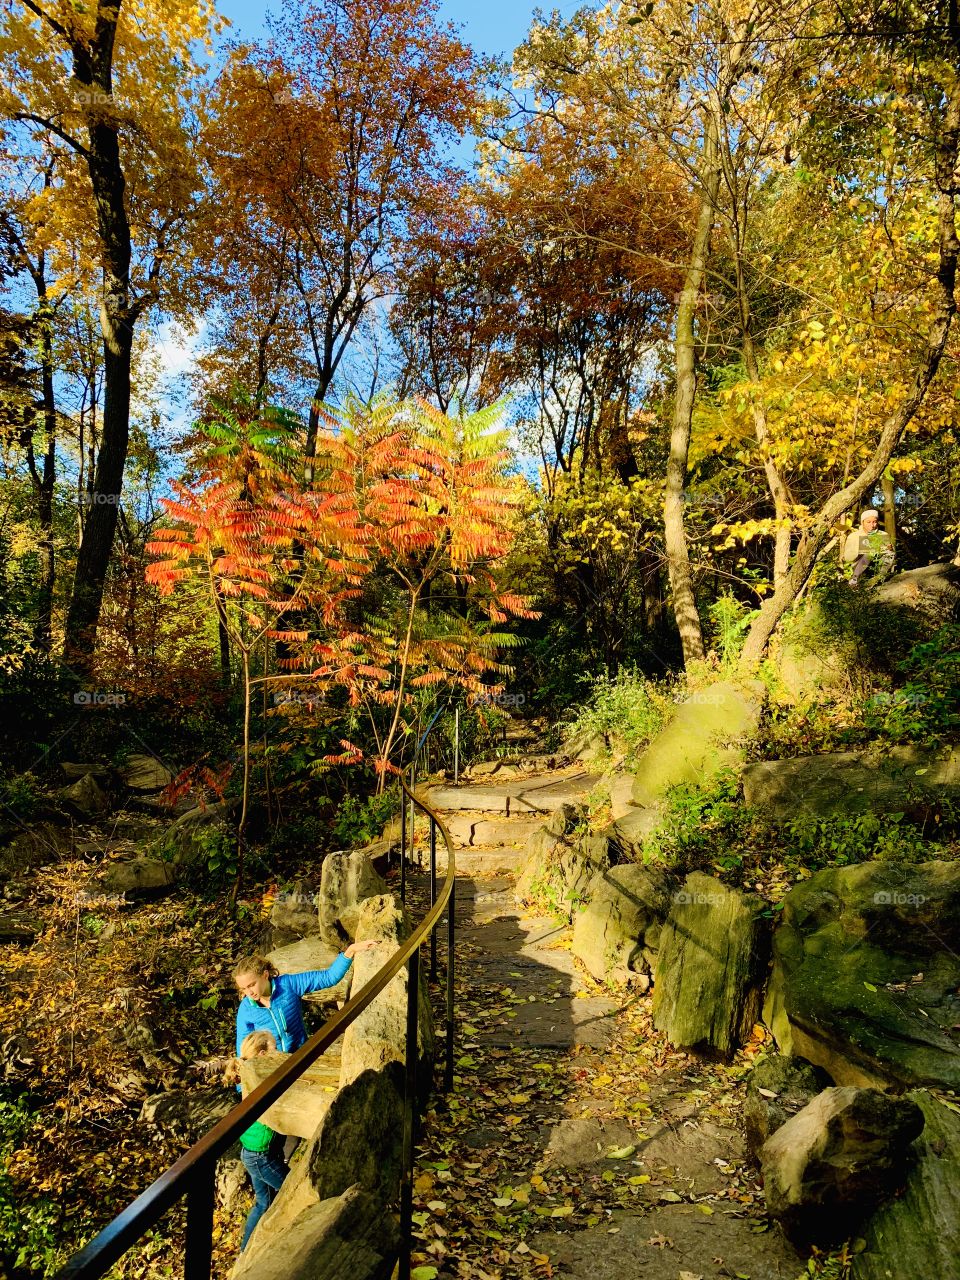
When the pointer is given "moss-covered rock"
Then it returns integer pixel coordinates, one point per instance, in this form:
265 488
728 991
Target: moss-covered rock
559 868
866 972
702 739
845 783
710 965
918 1233
777 1088
619 928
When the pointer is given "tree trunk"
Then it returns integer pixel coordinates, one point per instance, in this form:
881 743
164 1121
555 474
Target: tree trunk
223 638
93 70
675 539
44 479
99 529
889 509
852 494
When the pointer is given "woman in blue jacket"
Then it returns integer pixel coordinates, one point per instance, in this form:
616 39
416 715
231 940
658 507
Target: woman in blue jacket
272 1001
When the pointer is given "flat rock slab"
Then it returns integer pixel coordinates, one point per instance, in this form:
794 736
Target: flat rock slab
534 991
668 1242
481 863
473 828
576 1143
143 772
19 928
688 1150
519 795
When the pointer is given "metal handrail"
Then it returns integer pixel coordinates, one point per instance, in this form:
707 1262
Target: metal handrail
194 1173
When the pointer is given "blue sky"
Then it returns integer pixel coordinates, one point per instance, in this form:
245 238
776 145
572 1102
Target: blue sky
491 26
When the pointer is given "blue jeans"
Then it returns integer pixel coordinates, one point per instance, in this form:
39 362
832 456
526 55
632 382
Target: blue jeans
267 1172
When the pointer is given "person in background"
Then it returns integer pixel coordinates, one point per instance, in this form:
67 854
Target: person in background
868 549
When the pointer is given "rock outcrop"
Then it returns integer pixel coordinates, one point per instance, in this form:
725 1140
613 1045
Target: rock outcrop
777 1088
85 797
703 737
711 961
866 973
143 772
918 1232
842 1153
346 1237
847 783
618 931
347 879
378 1035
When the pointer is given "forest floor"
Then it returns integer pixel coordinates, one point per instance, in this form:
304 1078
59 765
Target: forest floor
576 1141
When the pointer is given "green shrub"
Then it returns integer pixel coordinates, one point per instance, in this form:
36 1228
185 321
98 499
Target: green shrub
865 837
626 710
357 822
704 826
730 620
21 794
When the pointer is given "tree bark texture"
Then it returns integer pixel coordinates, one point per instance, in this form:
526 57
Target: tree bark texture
93 69
675 539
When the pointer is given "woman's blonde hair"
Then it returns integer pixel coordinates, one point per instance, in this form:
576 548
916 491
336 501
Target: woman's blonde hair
257 1042
255 964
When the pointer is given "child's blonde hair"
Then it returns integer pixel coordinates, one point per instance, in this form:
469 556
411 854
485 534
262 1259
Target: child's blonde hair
257 1042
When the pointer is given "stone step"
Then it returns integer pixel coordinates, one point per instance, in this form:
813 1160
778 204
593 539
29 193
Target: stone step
478 863
468 830
516 797
472 862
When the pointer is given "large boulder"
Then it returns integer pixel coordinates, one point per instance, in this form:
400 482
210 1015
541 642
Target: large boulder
346 1237
85 797
918 1232
143 772
294 910
619 929
843 1152
866 973
934 589
129 880
378 1035
299 1112
75 770
705 735
312 953
189 837
847 783
559 869
346 880
776 1089
711 960
360 1138
187 1114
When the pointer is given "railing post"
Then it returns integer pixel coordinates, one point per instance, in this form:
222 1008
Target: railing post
451 933
403 847
413 839
199 1240
433 896
409 1104
456 746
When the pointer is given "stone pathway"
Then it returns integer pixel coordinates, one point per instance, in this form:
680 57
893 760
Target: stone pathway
576 1141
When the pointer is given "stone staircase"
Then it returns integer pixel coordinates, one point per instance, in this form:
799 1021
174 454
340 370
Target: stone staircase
491 818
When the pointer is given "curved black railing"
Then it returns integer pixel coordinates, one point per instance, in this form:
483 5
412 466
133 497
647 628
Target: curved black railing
193 1175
